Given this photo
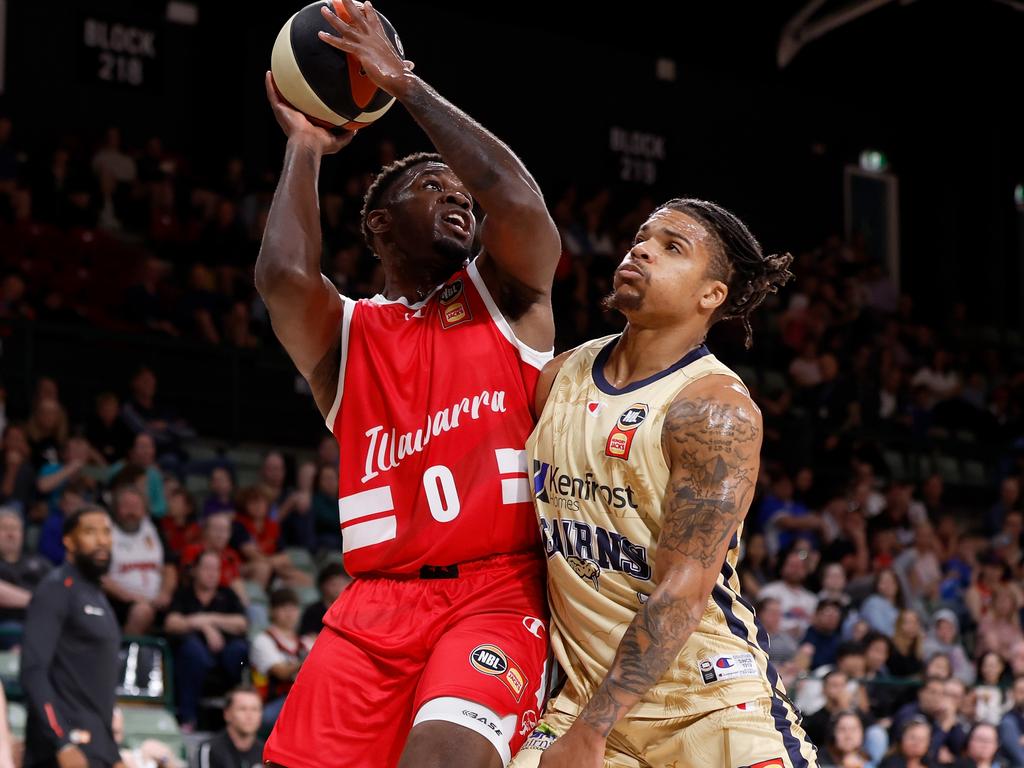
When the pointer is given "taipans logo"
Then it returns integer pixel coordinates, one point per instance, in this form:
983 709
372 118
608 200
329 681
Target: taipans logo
489 659
587 570
620 439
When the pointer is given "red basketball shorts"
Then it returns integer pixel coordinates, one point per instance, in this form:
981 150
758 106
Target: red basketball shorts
389 646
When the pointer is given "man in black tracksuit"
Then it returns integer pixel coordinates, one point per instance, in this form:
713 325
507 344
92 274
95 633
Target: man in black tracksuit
69 657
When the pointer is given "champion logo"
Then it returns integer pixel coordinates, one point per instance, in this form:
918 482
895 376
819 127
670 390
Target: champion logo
594 407
723 663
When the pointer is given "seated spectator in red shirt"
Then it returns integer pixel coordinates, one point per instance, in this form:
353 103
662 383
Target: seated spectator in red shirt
216 537
179 527
253 513
254 516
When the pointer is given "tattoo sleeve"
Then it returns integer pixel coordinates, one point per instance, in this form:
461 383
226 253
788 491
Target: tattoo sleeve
713 446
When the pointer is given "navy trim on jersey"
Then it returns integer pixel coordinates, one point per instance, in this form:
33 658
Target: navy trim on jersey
721 596
605 386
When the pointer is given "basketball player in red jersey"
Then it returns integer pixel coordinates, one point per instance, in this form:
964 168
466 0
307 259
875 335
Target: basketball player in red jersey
435 655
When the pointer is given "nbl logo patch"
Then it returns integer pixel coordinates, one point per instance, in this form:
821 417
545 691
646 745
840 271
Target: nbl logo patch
620 440
491 660
453 307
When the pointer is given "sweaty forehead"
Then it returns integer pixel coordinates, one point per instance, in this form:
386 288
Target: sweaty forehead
681 222
432 168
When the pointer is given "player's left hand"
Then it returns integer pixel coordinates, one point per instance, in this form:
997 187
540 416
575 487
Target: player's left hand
364 37
577 748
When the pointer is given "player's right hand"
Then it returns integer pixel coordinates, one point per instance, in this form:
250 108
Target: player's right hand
72 757
296 126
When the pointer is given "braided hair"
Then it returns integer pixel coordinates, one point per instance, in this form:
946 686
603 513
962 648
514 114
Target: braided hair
738 261
382 185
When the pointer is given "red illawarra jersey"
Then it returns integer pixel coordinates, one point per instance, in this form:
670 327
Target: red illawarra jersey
431 417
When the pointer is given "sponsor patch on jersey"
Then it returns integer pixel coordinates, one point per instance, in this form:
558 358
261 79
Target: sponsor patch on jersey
541 738
92 610
775 762
728 667
620 440
79 736
453 307
515 680
587 570
489 659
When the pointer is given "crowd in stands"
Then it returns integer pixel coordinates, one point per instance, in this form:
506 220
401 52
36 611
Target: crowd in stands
884 551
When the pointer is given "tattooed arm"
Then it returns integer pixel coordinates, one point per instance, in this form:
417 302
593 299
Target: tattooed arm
712 440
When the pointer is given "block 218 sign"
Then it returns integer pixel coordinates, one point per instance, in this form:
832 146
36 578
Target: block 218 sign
117 52
639 154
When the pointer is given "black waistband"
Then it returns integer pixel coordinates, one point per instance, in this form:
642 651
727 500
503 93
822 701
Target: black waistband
439 572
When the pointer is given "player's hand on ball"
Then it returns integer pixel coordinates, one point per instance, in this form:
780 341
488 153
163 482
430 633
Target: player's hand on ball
574 750
297 127
363 36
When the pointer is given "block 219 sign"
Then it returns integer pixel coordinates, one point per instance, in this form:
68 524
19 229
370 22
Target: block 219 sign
118 53
639 154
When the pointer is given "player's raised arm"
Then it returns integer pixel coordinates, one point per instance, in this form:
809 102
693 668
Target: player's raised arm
518 233
712 439
305 308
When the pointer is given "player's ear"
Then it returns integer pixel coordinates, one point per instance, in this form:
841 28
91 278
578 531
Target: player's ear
714 295
378 221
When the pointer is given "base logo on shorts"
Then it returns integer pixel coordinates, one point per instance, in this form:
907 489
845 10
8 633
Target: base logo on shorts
541 738
482 719
491 660
775 762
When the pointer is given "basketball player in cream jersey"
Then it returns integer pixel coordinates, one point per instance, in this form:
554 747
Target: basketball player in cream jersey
644 461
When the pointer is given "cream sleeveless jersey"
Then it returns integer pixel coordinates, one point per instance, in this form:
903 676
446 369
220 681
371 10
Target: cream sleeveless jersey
600 476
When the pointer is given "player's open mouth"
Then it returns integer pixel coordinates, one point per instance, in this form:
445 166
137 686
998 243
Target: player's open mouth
458 221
